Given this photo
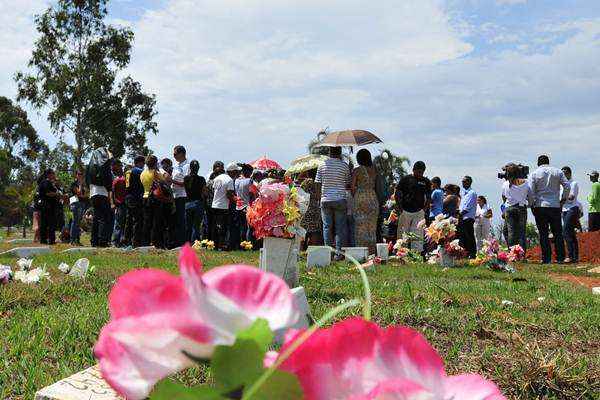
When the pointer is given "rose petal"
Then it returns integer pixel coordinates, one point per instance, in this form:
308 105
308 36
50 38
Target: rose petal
397 389
471 387
135 353
146 291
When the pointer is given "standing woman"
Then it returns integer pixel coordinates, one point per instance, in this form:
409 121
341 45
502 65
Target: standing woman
49 201
153 222
195 206
517 195
366 204
483 221
451 201
311 221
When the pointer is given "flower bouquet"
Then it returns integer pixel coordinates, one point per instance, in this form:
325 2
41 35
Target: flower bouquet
496 258
27 274
442 232
403 253
204 244
277 211
246 245
5 274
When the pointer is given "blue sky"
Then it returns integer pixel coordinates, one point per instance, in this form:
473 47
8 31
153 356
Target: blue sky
465 85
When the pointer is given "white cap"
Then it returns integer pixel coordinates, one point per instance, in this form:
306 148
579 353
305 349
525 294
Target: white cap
231 167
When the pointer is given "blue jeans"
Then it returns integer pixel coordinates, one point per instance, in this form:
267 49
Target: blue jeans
570 219
194 219
78 209
516 223
120 216
334 213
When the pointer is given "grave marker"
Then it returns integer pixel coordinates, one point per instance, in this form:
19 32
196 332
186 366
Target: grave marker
84 385
26 252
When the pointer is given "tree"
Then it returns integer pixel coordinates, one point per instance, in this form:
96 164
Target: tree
313 145
19 142
531 235
75 64
390 166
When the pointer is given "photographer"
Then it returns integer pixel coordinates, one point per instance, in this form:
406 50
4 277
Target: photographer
516 195
545 184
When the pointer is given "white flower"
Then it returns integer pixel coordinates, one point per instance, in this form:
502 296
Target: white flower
64 267
24 264
5 273
507 303
33 276
80 268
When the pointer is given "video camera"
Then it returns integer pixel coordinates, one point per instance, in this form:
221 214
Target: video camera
514 171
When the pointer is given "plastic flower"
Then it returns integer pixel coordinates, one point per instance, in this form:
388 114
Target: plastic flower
197 245
246 245
158 320
5 274
64 267
516 253
33 276
503 256
80 268
358 360
24 264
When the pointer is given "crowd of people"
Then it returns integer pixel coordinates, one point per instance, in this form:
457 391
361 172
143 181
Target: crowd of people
166 203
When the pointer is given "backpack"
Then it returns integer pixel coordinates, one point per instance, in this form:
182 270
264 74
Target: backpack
98 169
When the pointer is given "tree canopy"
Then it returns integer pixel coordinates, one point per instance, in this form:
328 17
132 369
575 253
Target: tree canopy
391 166
73 72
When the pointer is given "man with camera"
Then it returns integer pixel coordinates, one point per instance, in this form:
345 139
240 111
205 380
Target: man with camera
546 182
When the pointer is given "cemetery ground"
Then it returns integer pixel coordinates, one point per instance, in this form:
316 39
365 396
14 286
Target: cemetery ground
543 343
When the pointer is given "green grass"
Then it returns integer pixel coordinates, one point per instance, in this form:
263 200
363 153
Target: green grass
532 349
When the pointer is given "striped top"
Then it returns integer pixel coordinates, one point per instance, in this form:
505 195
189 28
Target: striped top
334 177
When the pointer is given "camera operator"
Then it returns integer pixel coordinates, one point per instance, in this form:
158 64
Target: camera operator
545 184
516 195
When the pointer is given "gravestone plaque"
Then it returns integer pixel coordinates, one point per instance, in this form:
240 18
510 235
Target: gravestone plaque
302 304
80 250
144 249
84 385
280 257
318 256
26 252
16 241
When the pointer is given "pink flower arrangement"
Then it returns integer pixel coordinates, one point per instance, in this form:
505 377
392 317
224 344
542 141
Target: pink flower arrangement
503 256
516 253
357 360
158 319
455 250
277 211
441 230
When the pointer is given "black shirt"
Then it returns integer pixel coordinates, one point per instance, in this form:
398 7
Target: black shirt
194 186
412 193
48 187
133 183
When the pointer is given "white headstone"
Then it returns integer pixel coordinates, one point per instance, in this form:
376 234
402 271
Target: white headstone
26 252
318 256
80 250
302 304
144 249
383 251
596 290
84 385
359 253
280 256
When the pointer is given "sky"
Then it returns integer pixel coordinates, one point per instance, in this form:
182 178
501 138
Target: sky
464 85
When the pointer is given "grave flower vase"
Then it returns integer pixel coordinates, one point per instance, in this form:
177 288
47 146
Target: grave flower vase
280 256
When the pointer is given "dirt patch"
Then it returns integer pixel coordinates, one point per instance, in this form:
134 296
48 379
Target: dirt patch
585 281
589 248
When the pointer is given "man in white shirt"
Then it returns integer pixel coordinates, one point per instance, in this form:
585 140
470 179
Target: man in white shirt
483 221
570 215
333 178
224 197
545 183
180 170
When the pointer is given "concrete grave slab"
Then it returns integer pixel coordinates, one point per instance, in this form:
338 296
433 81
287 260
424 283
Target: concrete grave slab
80 250
26 252
318 256
84 385
144 249
359 253
280 257
16 241
302 304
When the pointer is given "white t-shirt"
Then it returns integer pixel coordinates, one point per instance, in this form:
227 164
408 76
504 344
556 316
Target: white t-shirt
221 185
517 195
96 190
479 216
180 171
574 192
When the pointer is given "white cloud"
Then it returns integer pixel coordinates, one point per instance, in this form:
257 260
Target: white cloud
510 2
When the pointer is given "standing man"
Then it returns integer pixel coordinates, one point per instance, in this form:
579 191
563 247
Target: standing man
180 171
413 196
437 198
333 178
118 203
48 194
245 196
134 200
99 178
547 201
594 200
217 169
78 205
467 214
224 196
570 217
